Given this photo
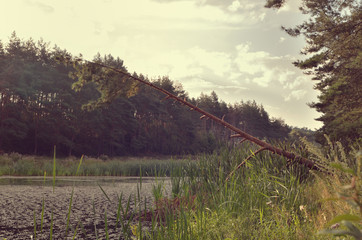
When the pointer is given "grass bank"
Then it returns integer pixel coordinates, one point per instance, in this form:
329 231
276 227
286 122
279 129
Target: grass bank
267 198
15 164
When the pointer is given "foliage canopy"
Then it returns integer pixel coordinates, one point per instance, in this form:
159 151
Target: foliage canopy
333 34
94 111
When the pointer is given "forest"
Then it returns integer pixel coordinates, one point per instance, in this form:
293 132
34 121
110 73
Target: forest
41 106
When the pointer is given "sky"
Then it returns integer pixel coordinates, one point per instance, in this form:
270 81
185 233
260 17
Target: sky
233 47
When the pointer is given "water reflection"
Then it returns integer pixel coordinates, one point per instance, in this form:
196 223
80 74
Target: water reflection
71 181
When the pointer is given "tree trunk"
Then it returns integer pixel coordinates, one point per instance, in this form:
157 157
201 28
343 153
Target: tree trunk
239 133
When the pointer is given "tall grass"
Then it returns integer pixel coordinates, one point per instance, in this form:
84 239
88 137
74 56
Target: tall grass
260 200
18 165
268 198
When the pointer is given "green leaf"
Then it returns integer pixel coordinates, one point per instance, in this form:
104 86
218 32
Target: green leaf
54 167
69 211
339 166
335 232
353 229
80 163
344 217
105 194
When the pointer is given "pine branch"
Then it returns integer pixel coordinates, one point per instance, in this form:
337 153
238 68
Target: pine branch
239 133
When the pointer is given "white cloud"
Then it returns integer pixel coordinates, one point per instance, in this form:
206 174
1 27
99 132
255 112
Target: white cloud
235 5
43 6
194 62
257 65
200 45
296 94
261 16
295 81
264 79
253 11
178 14
248 5
250 62
241 69
290 6
78 18
285 76
201 2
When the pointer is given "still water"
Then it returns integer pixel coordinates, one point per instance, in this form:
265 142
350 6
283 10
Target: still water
23 198
79 181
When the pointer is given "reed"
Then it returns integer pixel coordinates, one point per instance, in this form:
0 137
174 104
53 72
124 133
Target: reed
267 198
19 165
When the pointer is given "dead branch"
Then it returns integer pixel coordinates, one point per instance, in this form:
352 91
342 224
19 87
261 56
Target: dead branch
265 146
241 164
235 136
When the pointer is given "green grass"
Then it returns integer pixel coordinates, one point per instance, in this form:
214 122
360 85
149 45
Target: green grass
265 199
15 164
260 201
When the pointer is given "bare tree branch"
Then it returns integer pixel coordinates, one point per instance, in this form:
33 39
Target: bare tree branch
241 164
265 146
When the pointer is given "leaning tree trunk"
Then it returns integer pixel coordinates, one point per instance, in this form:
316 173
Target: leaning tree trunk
264 146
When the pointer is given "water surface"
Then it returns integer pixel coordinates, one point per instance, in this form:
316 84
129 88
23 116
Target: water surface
75 181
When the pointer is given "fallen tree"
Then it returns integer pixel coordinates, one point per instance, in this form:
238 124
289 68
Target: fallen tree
87 71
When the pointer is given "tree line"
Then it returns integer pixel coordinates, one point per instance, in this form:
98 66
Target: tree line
42 105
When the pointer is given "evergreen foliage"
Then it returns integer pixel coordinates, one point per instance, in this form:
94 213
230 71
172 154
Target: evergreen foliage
334 49
96 112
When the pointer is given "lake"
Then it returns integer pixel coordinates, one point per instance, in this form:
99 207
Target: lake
21 198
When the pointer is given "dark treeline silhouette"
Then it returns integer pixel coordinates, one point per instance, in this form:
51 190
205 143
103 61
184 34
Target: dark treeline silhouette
39 109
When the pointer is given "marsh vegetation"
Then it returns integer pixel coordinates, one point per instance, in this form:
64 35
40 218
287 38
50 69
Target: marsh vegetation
265 199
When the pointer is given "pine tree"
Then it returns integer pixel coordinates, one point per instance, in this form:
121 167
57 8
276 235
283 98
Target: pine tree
334 48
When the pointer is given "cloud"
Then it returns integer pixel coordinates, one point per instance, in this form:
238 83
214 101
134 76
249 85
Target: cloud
193 63
244 12
296 94
230 46
261 16
260 67
294 81
290 6
249 62
285 76
42 6
242 68
175 14
229 73
235 5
